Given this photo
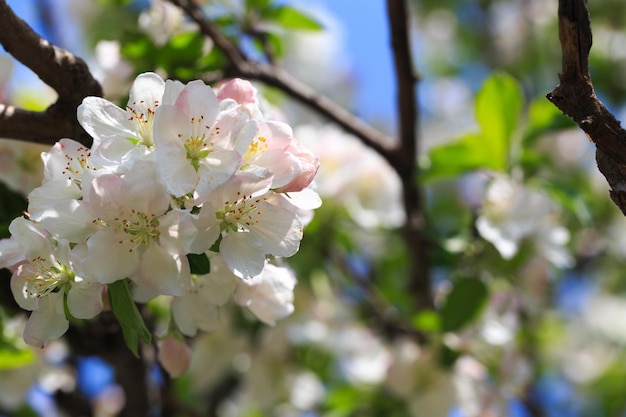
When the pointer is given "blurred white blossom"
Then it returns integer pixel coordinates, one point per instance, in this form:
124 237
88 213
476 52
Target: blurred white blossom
512 212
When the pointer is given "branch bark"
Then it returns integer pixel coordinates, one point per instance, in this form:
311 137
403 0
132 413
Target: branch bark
67 74
402 158
241 66
407 155
575 97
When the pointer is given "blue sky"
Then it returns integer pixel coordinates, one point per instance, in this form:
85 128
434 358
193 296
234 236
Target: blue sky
366 44
368 47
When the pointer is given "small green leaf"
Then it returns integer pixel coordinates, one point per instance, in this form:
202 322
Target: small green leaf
127 314
464 304
290 18
470 152
199 263
498 107
427 321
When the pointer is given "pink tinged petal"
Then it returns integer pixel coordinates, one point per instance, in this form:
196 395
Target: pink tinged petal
279 230
110 257
309 165
104 120
163 271
198 99
242 91
46 323
284 165
174 355
84 299
244 255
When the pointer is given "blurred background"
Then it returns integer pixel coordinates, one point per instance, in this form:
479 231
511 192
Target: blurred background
527 248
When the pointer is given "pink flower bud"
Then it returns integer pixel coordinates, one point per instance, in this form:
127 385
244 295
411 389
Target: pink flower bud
174 355
309 164
242 91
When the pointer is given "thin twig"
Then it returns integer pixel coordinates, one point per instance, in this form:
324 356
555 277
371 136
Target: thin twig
407 154
575 96
241 66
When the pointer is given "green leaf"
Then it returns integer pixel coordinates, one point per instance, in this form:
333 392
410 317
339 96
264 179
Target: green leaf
257 4
427 321
199 263
12 357
463 304
469 153
127 314
290 18
498 107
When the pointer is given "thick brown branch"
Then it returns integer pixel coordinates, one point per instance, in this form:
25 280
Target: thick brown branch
38 127
68 75
575 96
240 66
406 79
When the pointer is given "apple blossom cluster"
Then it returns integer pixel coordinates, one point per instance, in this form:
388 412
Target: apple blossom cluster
185 174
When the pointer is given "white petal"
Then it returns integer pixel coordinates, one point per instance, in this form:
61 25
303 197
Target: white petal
165 272
279 230
243 254
84 299
104 120
110 257
47 322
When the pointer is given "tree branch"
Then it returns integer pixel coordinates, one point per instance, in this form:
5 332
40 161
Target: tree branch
576 97
68 75
407 155
241 66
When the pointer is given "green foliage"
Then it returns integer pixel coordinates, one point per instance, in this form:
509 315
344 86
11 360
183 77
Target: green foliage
290 18
464 304
199 263
497 110
128 315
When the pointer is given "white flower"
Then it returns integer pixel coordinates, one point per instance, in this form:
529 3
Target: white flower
138 236
42 281
198 309
56 203
269 295
191 155
512 212
116 131
352 175
252 221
